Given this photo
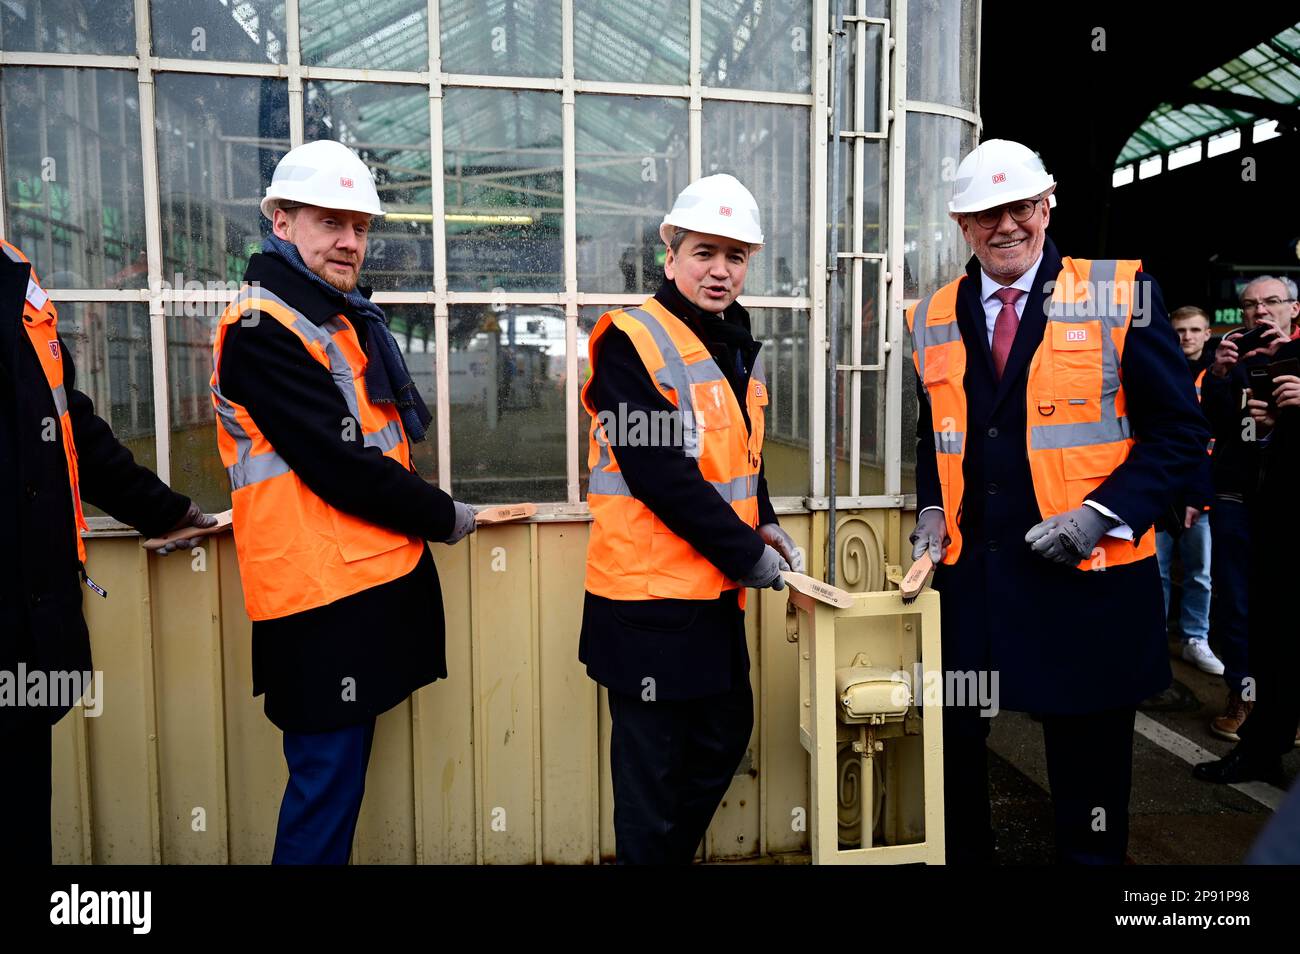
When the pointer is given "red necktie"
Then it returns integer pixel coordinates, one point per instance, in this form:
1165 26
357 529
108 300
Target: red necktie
1004 330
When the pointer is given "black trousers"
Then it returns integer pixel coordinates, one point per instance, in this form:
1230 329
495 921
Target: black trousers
25 792
1089 770
672 762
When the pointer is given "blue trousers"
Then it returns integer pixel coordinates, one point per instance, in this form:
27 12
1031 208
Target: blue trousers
1193 546
327 779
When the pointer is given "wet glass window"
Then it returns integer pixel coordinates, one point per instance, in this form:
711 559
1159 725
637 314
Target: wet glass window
934 251
746 45
632 42
501 37
219 139
68 26
766 148
940 56
785 354
504 190
631 163
388 126
356 34
507 384
109 344
74 183
250 31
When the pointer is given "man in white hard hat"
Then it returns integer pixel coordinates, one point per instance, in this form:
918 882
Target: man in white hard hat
316 411
1057 422
682 524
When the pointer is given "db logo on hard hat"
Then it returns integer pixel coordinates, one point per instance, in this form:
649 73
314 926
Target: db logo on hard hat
999 177
724 210
345 182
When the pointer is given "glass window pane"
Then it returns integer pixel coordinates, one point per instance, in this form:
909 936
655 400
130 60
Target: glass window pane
784 335
109 343
362 35
501 37
73 175
910 410
412 326
631 163
503 180
869 236
68 26
196 465
388 126
934 251
588 315
940 51
249 31
219 138
867 316
766 148
745 45
507 380
632 42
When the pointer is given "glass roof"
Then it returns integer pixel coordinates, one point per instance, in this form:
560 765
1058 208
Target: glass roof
1268 71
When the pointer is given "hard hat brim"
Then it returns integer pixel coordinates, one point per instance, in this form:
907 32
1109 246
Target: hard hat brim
1002 198
272 202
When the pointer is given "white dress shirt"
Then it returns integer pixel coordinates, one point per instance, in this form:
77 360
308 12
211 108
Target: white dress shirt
992 306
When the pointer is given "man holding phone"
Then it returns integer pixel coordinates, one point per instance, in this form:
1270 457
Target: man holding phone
1270 310
1274 409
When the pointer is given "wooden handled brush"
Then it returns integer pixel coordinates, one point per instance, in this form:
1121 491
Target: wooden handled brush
917 578
493 515
189 533
822 592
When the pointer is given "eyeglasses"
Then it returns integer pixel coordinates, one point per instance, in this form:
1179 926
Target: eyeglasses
1248 304
1021 212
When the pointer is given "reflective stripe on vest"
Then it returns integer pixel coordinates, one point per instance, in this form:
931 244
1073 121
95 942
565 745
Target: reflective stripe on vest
1077 428
280 525
631 554
41 322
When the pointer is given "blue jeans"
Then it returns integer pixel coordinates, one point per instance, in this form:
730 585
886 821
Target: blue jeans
1231 529
327 779
1194 548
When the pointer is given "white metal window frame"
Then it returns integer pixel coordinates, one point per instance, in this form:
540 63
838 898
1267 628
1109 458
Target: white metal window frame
894 109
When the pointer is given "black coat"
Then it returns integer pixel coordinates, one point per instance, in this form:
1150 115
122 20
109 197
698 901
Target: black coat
1061 640
691 648
1237 454
40 582
389 639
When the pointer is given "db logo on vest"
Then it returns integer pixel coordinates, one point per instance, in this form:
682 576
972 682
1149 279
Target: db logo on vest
1076 334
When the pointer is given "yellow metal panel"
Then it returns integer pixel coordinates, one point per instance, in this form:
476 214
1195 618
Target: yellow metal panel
568 704
70 780
186 597
123 741
783 771
607 849
444 729
503 628
386 828
733 833
255 770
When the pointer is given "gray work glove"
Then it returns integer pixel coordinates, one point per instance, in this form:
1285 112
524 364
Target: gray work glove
1071 536
783 543
767 571
931 534
194 517
465 522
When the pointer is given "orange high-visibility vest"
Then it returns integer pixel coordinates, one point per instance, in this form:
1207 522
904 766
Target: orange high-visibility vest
1077 427
296 552
631 554
41 322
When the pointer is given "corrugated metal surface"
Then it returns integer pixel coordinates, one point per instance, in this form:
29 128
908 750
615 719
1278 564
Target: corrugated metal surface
504 762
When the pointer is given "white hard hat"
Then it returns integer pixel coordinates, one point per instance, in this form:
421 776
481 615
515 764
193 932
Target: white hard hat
324 173
715 205
996 172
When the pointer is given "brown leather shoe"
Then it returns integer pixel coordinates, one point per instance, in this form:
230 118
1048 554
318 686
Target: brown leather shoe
1234 714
